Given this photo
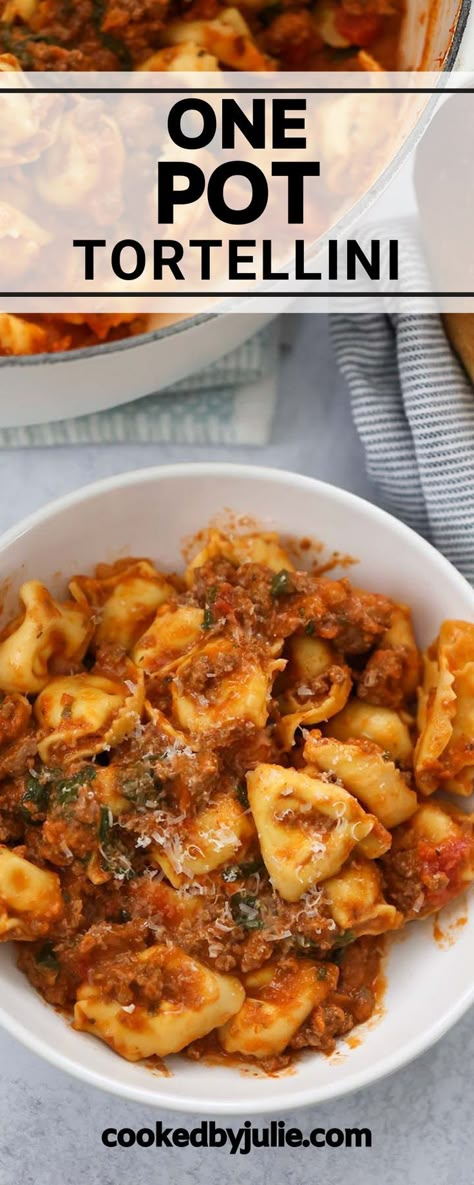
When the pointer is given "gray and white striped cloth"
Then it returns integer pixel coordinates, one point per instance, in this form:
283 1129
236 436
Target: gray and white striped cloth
413 407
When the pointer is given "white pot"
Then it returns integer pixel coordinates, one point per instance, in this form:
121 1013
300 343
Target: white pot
52 387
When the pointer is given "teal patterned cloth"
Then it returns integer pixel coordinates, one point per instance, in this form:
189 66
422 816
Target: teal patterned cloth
230 402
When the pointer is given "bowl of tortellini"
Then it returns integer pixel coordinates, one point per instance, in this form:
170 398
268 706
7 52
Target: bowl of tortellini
236 759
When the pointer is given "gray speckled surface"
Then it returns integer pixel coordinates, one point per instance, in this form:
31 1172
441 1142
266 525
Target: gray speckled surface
421 1117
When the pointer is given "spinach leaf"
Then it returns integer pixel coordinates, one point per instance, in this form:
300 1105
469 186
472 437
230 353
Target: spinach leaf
46 956
282 584
245 911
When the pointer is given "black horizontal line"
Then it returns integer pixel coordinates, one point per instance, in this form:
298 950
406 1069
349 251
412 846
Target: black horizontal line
225 295
248 90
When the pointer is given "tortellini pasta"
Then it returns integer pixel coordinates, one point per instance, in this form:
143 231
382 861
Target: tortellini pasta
316 687
306 827
264 548
195 1000
363 769
356 899
125 597
30 898
385 727
445 753
215 836
83 714
174 631
279 998
229 685
227 36
47 632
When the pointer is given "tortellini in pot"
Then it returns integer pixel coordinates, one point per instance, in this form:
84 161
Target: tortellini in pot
220 832
28 236
30 898
71 174
227 36
264 548
125 597
306 827
356 901
444 755
383 726
364 771
83 714
195 1000
18 336
280 996
181 58
47 632
222 684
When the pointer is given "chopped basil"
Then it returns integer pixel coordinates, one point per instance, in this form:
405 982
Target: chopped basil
46 957
245 911
282 584
309 628
322 973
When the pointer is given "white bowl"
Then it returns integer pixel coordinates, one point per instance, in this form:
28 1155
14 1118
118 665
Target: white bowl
149 513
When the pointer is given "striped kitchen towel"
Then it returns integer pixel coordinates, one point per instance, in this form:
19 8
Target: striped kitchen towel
413 408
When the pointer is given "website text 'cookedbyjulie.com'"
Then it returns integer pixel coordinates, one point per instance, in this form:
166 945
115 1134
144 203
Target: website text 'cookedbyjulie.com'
242 1140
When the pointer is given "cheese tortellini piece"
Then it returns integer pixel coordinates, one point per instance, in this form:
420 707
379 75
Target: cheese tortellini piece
29 237
307 828
126 597
181 58
47 632
383 726
30 898
444 755
221 684
83 714
316 686
71 174
227 37
174 632
364 771
356 900
264 548
19 336
194 1001
280 996
220 832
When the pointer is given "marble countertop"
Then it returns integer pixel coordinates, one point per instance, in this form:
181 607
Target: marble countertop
421 1117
